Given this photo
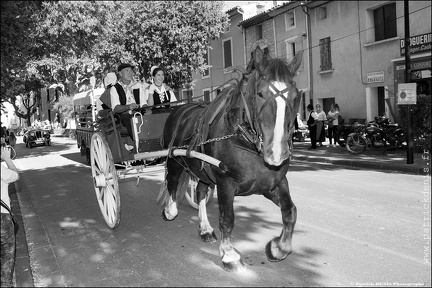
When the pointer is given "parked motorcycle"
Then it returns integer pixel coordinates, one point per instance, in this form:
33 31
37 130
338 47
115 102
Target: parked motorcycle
342 134
378 135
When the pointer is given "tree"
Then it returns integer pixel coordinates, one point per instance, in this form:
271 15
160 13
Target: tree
67 42
17 22
174 35
64 106
24 95
77 35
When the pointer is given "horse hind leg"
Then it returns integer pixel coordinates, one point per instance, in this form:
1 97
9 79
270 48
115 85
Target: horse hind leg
206 232
168 194
280 247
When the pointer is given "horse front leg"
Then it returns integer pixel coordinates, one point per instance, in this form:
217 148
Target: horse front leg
231 260
280 247
206 232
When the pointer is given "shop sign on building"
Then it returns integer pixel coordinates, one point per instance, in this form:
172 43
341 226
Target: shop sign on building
418 44
375 77
407 94
416 65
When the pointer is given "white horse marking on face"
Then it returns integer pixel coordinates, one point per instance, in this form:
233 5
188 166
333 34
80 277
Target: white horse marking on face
279 123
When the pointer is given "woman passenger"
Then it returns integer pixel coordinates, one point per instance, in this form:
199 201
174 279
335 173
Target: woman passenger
158 91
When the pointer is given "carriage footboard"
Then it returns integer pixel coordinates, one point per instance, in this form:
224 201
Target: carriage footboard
182 152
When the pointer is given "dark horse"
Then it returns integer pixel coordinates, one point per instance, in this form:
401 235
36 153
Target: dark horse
249 126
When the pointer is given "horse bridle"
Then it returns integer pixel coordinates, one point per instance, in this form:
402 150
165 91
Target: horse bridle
257 137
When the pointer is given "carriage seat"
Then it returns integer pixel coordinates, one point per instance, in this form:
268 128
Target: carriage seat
107 122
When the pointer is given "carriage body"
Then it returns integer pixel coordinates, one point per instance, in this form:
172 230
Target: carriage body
101 137
147 129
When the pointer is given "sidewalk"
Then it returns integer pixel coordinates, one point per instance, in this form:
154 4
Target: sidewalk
390 161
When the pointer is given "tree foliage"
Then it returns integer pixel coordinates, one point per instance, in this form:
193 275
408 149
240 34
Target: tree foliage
64 106
67 42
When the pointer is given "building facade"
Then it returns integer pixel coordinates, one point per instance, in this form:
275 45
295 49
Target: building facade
353 51
224 55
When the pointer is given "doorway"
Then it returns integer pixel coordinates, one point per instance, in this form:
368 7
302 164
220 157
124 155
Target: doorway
326 104
381 102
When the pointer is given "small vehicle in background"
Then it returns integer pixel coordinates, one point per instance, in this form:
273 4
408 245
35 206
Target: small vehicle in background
37 136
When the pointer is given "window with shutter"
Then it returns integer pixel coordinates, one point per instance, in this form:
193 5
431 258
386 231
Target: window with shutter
385 22
290 49
290 20
206 94
325 54
227 57
206 72
259 32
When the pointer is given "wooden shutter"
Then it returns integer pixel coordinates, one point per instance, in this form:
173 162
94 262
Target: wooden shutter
227 54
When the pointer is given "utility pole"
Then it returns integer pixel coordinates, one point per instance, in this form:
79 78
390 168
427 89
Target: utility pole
410 138
309 37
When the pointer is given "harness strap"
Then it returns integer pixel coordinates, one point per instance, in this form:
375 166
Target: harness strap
178 125
249 119
277 94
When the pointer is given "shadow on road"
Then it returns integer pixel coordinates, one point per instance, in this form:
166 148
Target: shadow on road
144 250
25 152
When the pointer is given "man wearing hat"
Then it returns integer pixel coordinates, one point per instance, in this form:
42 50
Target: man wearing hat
312 125
126 94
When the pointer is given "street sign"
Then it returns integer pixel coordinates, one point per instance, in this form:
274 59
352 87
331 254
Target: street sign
407 94
375 77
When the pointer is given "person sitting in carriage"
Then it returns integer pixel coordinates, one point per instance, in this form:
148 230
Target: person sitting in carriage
158 92
125 95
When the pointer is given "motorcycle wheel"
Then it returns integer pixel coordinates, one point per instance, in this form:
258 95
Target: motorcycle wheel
400 139
373 146
355 144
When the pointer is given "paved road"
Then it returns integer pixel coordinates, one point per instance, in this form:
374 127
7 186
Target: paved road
355 228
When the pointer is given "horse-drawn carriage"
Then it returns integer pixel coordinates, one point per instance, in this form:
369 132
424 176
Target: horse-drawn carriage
241 142
101 137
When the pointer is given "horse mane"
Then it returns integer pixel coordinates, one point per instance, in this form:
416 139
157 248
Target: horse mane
206 118
278 70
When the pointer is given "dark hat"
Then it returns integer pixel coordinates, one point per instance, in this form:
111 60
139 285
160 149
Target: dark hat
310 106
124 65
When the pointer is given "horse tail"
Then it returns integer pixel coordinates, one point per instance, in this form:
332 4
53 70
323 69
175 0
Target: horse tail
179 196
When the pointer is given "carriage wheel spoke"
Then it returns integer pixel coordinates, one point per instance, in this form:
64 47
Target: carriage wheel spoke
103 168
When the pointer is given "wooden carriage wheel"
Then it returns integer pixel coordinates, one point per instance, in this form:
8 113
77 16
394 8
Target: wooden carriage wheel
105 180
191 193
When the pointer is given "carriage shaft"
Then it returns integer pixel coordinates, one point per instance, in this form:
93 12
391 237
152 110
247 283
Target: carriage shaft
182 152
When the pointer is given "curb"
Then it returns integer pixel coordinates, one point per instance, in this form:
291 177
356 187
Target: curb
363 164
42 261
23 276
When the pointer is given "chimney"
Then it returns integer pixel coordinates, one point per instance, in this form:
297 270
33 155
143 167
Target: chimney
260 8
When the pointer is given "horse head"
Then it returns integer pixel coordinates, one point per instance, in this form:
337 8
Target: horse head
274 100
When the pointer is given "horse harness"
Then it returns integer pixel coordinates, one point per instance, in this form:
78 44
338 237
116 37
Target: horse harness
249 129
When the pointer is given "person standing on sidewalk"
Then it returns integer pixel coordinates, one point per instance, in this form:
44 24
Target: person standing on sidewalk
9 174
333 123
321 117
311 122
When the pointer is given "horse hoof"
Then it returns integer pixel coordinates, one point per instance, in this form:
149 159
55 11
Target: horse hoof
235 266
207 237
165 218
270 256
